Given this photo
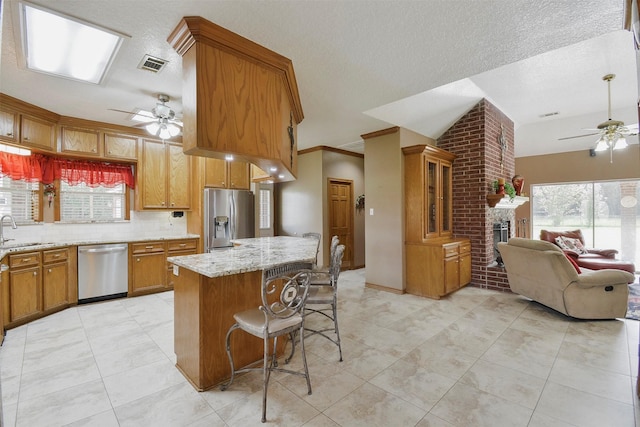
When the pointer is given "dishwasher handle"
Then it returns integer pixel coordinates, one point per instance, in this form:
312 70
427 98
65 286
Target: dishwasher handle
102 250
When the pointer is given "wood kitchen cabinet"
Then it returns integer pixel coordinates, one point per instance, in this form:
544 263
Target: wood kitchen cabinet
55 279
163 179
226 174
148 268
26 130
147 272
25 286
120 146
38 283
80 141
435 262
179 248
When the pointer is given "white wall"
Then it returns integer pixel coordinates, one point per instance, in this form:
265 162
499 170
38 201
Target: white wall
384 229
300 204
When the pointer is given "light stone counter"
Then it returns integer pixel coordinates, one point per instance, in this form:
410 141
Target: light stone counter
249 255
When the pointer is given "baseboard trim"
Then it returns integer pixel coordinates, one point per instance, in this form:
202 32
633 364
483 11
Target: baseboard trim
384 288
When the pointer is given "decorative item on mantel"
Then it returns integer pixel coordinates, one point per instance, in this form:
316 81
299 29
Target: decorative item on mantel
503 189
50 192
518 183
360 203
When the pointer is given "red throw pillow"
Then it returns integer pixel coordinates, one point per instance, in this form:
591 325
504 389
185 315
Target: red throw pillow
574 263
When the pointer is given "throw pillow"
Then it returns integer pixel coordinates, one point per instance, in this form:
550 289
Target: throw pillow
571 244
574 263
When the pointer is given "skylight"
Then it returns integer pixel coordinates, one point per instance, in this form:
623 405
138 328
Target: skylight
66 47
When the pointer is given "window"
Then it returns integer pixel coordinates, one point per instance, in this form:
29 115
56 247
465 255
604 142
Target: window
81 203
19 199
265 209
608 213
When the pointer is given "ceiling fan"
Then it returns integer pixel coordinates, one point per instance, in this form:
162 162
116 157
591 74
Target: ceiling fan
160 121
612 133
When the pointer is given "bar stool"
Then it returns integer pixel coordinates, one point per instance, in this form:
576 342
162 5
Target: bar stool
284 292
326 297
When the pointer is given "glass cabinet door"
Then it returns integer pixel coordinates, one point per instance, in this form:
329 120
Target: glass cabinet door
431 226
445 198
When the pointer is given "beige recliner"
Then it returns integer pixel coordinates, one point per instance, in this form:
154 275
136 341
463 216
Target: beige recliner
540 270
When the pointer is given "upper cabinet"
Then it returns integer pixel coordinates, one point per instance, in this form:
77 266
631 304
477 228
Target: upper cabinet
119 146
163 178
226 174
87 139
80 141
26 125
428 193
238 98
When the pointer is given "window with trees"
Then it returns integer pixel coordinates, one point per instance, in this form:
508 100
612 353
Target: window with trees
607 212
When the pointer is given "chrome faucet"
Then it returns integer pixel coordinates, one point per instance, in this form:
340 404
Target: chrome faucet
13 225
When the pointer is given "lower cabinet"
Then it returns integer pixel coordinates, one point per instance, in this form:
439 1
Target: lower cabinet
148 264
437 267
36 284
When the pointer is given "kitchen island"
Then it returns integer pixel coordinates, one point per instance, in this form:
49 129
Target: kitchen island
210 288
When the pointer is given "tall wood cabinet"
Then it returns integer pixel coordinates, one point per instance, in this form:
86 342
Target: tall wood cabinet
436 263
163 180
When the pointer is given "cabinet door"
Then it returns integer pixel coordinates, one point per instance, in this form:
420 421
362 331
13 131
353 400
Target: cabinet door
55 285
432 208
80 141
120 146
446 210
25 293
38 133
215 173
149 273
465 269
179 187
154 175
238 175
9 126
451 274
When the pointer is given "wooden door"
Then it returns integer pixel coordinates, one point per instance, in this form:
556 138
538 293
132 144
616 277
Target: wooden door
341 209
215 173
25 293
38 133
8 126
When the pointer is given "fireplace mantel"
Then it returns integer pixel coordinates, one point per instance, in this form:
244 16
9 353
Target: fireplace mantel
505 202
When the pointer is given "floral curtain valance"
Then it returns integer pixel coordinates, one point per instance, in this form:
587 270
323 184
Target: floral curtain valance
46 169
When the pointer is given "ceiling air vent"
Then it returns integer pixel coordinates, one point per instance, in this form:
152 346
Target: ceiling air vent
151 63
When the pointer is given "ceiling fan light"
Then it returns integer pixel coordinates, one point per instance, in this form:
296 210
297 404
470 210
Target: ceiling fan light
152 128
173 129
621 143
164 133
601 145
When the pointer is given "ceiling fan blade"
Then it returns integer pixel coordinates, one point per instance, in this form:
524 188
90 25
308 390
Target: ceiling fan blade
141 114
578 136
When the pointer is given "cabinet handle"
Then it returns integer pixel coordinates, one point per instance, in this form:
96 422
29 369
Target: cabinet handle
26 138
182 245
148 247
173 204
35 273
49 271
222 182
9 133
93 150
26 259
138 260
56 256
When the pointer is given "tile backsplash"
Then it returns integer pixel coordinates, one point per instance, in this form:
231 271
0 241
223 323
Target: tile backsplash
142 225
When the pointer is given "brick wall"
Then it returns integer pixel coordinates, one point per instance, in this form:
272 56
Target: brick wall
474 139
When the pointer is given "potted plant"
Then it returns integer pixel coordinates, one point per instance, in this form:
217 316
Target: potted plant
507 186
360 202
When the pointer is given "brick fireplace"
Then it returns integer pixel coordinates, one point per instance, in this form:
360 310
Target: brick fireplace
476 141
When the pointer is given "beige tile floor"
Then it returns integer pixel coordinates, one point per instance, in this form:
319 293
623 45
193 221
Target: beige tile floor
476 358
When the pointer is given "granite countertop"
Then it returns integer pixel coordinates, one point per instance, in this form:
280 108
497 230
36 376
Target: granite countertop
12 247
249 255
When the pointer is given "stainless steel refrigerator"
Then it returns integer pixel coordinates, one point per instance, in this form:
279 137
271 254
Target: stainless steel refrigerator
228 215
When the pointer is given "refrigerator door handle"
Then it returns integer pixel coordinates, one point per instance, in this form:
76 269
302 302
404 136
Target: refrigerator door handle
233 215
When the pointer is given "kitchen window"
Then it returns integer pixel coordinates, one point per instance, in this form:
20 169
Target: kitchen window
19 198
265 209
82 203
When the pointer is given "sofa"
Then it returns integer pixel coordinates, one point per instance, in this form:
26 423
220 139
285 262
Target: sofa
541 271
572 243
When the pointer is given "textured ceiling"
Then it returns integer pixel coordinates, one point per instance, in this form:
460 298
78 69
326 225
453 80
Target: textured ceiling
366 65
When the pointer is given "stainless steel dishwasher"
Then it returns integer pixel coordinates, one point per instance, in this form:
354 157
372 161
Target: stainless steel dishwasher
102 272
